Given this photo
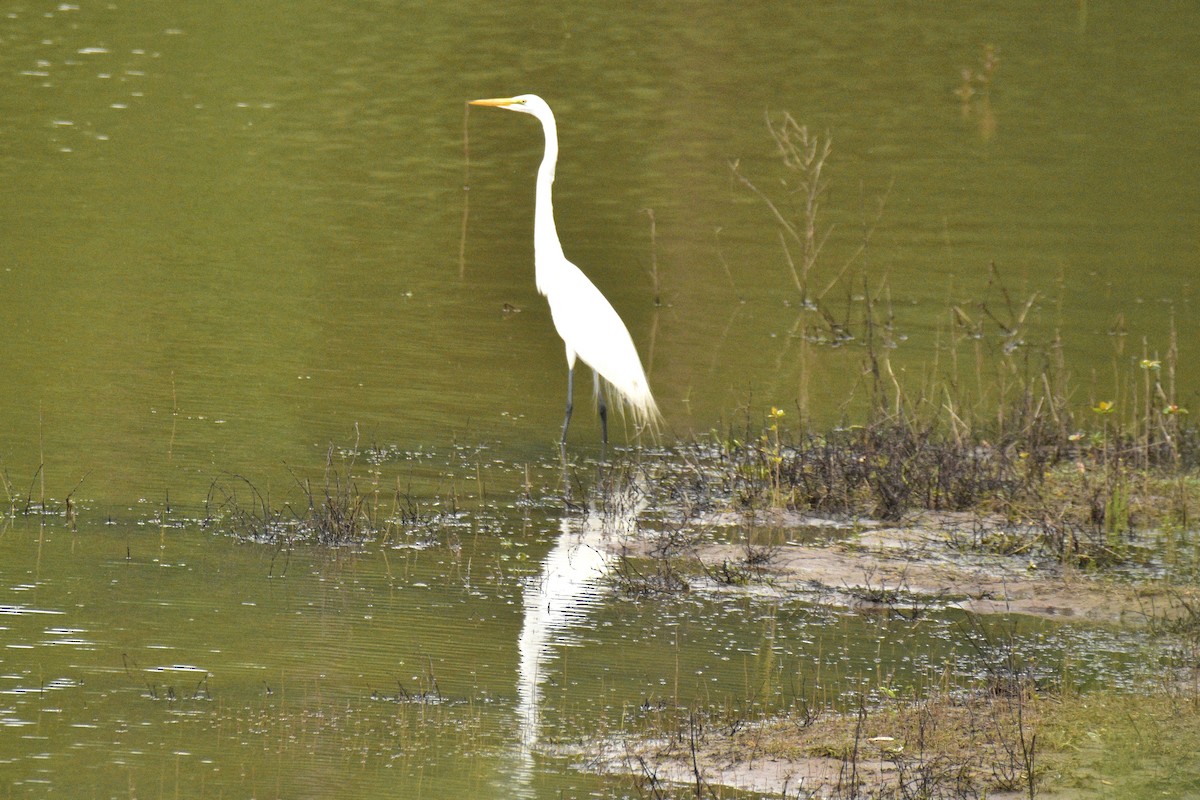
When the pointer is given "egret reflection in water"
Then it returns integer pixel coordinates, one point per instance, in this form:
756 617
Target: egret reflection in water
559 598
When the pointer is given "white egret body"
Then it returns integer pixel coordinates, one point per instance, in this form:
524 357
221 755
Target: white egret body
589 326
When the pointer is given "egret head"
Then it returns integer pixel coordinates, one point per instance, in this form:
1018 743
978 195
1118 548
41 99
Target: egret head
525 103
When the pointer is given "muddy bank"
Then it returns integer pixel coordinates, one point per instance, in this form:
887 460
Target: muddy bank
970 743
869 564
951 746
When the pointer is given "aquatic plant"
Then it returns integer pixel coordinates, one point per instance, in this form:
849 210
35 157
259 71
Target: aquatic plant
993 424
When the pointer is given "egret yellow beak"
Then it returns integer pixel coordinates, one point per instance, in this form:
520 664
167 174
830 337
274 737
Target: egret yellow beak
499 102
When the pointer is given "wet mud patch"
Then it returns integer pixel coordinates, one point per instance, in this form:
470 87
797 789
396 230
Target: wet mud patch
869 564
1002 746
1012 733
950 745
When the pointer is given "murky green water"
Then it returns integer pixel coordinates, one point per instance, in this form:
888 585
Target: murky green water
233 233
232 237
179 661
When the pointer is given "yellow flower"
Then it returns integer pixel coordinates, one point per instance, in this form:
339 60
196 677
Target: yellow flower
1105 407
776 413
1151 364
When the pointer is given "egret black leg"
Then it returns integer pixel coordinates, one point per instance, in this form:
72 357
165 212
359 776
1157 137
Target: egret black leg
603 412
570 407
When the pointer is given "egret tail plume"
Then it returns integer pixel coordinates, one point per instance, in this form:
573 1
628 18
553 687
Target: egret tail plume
645 413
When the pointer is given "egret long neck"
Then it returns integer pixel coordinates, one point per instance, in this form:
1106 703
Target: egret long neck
547 250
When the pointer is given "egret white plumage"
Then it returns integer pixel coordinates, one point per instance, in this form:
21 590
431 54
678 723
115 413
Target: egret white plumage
589 326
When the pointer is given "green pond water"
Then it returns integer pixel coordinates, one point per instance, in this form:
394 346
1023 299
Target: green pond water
173 661
238 235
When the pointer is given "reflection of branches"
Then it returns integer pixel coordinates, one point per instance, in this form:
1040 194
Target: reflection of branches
653 257
1016 318
462 238
804 155
737 309
868 232
735 166
725 265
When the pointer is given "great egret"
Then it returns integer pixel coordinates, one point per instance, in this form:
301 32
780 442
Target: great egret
589 326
